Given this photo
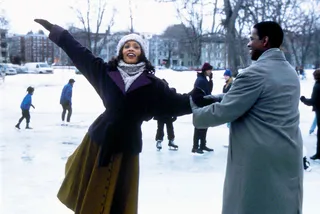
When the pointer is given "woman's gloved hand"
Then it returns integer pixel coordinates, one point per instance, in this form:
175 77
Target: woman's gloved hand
47 25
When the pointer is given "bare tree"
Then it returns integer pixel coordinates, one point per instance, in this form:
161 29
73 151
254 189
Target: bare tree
192 14
231 15
93 30
4 23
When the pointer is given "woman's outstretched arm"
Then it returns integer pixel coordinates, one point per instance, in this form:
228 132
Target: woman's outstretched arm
90 66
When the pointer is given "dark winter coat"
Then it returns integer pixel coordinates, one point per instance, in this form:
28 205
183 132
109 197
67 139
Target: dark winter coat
166 118
26 102
118 128
202 87
66 94
314 101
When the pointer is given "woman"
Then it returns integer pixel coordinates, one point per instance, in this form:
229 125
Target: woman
102 175
314 101
201 97
228 78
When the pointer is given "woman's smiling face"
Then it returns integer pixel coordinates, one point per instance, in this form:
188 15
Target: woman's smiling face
131 52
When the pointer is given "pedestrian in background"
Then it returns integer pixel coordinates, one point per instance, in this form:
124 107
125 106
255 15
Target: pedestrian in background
66 101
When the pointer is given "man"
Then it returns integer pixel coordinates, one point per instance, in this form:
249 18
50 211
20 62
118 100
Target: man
65 100
264 169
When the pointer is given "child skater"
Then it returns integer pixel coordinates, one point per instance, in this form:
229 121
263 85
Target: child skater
25 107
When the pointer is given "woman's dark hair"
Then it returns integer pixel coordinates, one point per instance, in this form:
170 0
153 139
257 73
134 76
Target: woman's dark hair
113 63
316 74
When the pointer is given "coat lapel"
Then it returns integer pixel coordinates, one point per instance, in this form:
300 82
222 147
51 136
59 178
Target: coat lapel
142 80
117 79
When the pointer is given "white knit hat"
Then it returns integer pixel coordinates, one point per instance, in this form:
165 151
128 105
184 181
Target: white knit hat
133 37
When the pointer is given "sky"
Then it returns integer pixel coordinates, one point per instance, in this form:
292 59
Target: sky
149 16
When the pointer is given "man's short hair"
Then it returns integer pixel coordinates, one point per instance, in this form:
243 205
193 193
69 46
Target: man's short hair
272 30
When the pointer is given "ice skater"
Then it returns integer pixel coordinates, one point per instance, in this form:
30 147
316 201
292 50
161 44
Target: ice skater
168 121
314 101
102 175
66 101
202 96
25 107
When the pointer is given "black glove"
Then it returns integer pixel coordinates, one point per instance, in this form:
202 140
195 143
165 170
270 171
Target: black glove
302 98
174 119
47 25
210 76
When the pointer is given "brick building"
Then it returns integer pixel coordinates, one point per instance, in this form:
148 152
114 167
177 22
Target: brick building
38 48
3 46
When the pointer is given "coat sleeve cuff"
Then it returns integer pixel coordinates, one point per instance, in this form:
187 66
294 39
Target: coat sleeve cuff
56 33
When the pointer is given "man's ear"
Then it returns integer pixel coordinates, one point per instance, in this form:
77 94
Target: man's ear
265 41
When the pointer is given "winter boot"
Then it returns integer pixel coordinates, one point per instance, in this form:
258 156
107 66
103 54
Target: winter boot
18 126
306 164
158 145
315 157
28 127
196 150
172 145
204 147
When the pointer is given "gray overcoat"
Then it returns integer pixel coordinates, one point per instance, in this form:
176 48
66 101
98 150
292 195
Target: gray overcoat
264 172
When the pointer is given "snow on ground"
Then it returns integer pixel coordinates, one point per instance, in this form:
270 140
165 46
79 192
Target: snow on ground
32 161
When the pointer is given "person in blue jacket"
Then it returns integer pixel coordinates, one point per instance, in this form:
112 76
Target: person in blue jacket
25 107
202 96
66 100
102 175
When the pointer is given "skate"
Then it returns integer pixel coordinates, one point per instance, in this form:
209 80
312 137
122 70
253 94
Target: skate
158 145
17 126
205 148
197 151
315 157
306 165
28 127
172 146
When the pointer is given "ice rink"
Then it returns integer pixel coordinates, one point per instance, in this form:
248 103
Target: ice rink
171 182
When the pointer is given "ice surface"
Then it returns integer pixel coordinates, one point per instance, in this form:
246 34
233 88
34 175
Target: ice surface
32 161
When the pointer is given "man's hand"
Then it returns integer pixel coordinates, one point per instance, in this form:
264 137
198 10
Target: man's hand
302 98
47 25
210 76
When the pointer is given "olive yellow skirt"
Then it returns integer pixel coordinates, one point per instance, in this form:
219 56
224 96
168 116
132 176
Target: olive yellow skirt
88 189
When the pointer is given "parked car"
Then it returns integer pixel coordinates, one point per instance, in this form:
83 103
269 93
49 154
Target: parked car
2 74
77 71
39 67
20 69
8 69
180 68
